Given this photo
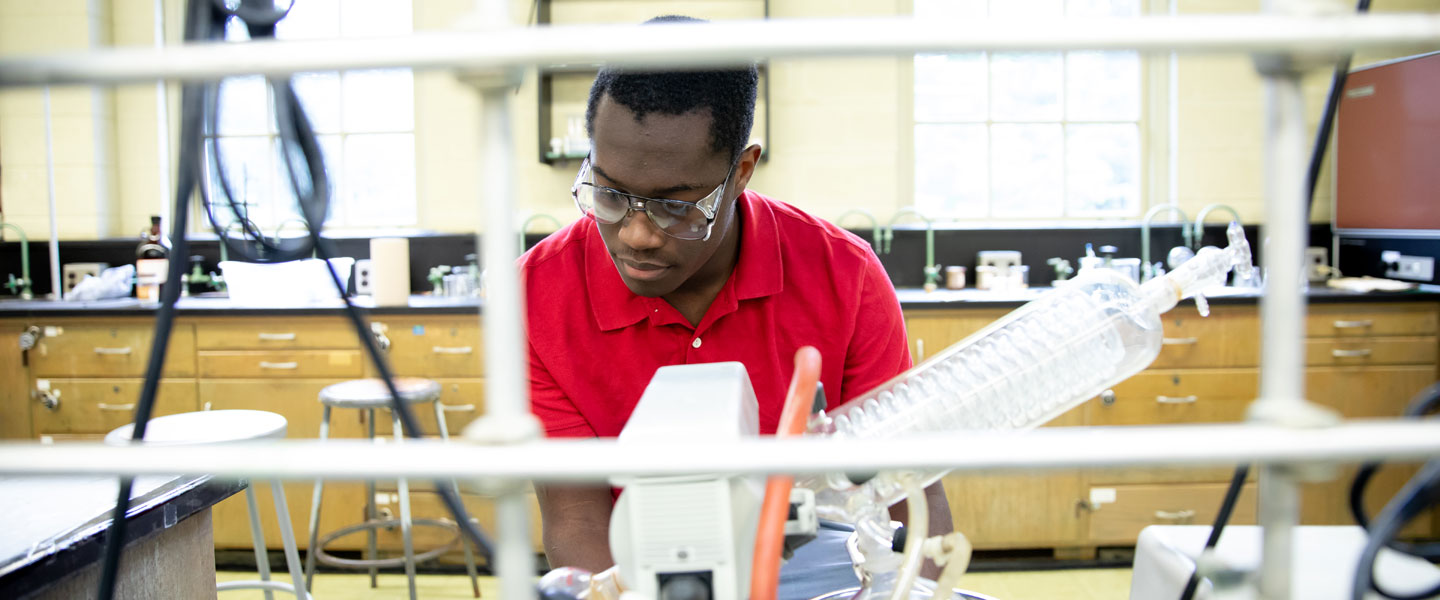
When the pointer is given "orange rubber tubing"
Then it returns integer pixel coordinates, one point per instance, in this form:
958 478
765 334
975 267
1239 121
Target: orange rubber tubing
774 510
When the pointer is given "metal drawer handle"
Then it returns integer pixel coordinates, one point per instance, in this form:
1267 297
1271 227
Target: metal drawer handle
1179 515
1338 353
452 349
276 365
1185 341
1354 324
277 337
99 350
116 407
1176 399
457 407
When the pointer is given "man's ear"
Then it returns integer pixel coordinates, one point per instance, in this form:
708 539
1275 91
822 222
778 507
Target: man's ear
749 157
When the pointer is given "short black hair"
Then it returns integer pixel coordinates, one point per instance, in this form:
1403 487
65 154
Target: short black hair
729 94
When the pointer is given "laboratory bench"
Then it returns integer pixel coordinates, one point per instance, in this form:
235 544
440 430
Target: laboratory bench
1366 356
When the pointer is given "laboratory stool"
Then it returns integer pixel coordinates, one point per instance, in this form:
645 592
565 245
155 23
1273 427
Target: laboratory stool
370 395
229 426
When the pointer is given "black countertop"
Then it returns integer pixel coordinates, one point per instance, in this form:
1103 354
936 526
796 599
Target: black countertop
910 299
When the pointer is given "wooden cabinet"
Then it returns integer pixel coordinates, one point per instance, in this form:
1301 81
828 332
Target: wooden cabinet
1363 360
90 408
114 348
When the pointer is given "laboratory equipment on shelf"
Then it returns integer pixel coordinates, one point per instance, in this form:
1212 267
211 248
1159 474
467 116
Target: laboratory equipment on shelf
1021 371
20 286
932 270
875 234
1147 271
1062 267
1000 270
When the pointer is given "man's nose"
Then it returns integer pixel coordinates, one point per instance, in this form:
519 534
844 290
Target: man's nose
637 232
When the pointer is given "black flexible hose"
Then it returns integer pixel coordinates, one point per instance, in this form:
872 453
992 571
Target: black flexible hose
1415 497
1222 518
1327 121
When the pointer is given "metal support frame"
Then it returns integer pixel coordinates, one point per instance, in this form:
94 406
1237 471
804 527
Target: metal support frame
1284 434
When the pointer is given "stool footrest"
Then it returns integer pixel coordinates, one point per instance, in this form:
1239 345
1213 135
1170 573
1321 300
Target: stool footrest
384 563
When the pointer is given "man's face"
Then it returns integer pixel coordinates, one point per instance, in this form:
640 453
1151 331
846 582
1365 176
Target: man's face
660 156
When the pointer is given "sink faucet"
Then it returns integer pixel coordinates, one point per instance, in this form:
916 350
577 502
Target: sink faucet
1146 270
869 216
533 218
932 270
20 286
304 226
1199 224
233 226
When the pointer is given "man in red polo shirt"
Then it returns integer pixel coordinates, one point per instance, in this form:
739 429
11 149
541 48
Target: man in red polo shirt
676 262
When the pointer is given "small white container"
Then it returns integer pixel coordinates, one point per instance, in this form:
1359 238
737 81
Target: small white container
296 283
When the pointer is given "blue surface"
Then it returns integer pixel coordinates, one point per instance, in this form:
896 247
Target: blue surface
819 567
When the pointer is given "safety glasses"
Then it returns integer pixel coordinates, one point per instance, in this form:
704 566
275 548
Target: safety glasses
677 218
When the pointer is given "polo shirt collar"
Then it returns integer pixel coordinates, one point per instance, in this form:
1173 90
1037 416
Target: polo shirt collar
758 272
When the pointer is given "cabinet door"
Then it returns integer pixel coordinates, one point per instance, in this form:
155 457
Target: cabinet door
435 346
1229 337
282 363
94 407
119 349
344 505
1023 510
1129 508
15 402
461 401
298 400
932 331
427 504
249 333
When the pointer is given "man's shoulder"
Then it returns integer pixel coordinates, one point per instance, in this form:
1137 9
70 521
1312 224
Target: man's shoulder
559 253
805 233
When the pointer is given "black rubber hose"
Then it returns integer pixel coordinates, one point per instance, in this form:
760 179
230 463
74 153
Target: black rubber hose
1327 121
1227 506
1415 497
1422 404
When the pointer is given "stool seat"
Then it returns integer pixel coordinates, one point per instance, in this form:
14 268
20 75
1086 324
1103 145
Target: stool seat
205 427
372 393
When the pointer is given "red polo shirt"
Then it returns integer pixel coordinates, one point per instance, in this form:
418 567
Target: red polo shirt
594 345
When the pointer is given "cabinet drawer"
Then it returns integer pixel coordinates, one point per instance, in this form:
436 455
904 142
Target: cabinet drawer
461 400
298 400
427 504
1138 506
283 334
1370 351
1363 320
1178 396
284 364
110 350
1227 338
1367 392
98 406
344 505
436 347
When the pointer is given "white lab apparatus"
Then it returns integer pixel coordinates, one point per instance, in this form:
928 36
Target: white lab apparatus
1023 370
688 530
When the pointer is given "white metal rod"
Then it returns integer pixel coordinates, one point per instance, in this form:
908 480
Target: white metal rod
162 120
57 290
596 460
507 391
1282 319
731 42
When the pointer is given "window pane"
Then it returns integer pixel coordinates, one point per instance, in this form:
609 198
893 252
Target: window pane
378 100
311 20
1026 170
250 173
1102 86
374 18
951 176
320 95
244 106
1102 8
1103 169
1026 86
947 10
333 149
380 176
950 87
1026 8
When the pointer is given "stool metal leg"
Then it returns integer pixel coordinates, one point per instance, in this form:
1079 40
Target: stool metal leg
464 540
405 513
287 537
370 513
315 499
257 538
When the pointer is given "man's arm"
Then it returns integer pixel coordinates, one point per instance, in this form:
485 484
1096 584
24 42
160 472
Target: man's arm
576 525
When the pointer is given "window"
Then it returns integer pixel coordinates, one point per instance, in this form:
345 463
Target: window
365 121
1027 135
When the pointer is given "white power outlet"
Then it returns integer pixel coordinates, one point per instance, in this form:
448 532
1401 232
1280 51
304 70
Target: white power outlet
1414 268
363 277
1316 259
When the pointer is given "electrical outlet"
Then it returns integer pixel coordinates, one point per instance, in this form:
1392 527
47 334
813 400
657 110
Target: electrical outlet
1316 258
363 277
1414 268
